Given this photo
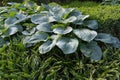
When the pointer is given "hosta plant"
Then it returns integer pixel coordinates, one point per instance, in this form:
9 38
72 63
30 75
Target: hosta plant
53 26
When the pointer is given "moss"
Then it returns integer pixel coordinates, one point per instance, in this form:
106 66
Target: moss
108 16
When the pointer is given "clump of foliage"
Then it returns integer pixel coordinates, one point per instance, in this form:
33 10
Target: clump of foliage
48 26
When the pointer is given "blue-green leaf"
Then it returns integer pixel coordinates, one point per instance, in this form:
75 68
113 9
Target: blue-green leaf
10 21
67 45
92 24
12 30
45 27
46 47
61 30
70 19
38 36
85 34
107 38
91 50
29 33
39 18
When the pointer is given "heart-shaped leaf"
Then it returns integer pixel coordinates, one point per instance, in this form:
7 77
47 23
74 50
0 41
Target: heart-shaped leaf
39 18
12 30
10 21
45 27
68 45
38 36
46 47
61 30
70 19
107 38
85 34
92 24
91 50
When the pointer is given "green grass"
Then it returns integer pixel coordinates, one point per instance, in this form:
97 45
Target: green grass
19 63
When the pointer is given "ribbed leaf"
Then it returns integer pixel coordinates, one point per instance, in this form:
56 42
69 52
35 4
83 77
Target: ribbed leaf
46 27
91 50
46 47
107 38
67 45
70 19
61 30
85 34
92 24
10 21
39 18
30 32
38 36
12 30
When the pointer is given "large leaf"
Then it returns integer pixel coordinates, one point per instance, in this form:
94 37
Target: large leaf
21 16
10 21
38 36
91 50
46 47
61 30
46 27
12 30
85 34
70 19
39 18
68 45
107 38
92 24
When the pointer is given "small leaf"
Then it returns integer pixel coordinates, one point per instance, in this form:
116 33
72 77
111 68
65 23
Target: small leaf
46 47
38 36
92 24
45 27
91 50
39 18
29 33
68 45
61 30
85 34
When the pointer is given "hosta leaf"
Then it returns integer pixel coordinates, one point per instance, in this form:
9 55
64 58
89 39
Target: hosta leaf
10 21
107 38
39 18
85 34
82 17
103 37
61 30
92 24
12 30
21 16
45 27
38 36
68 45
70 19
91 50
46 47
30 32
